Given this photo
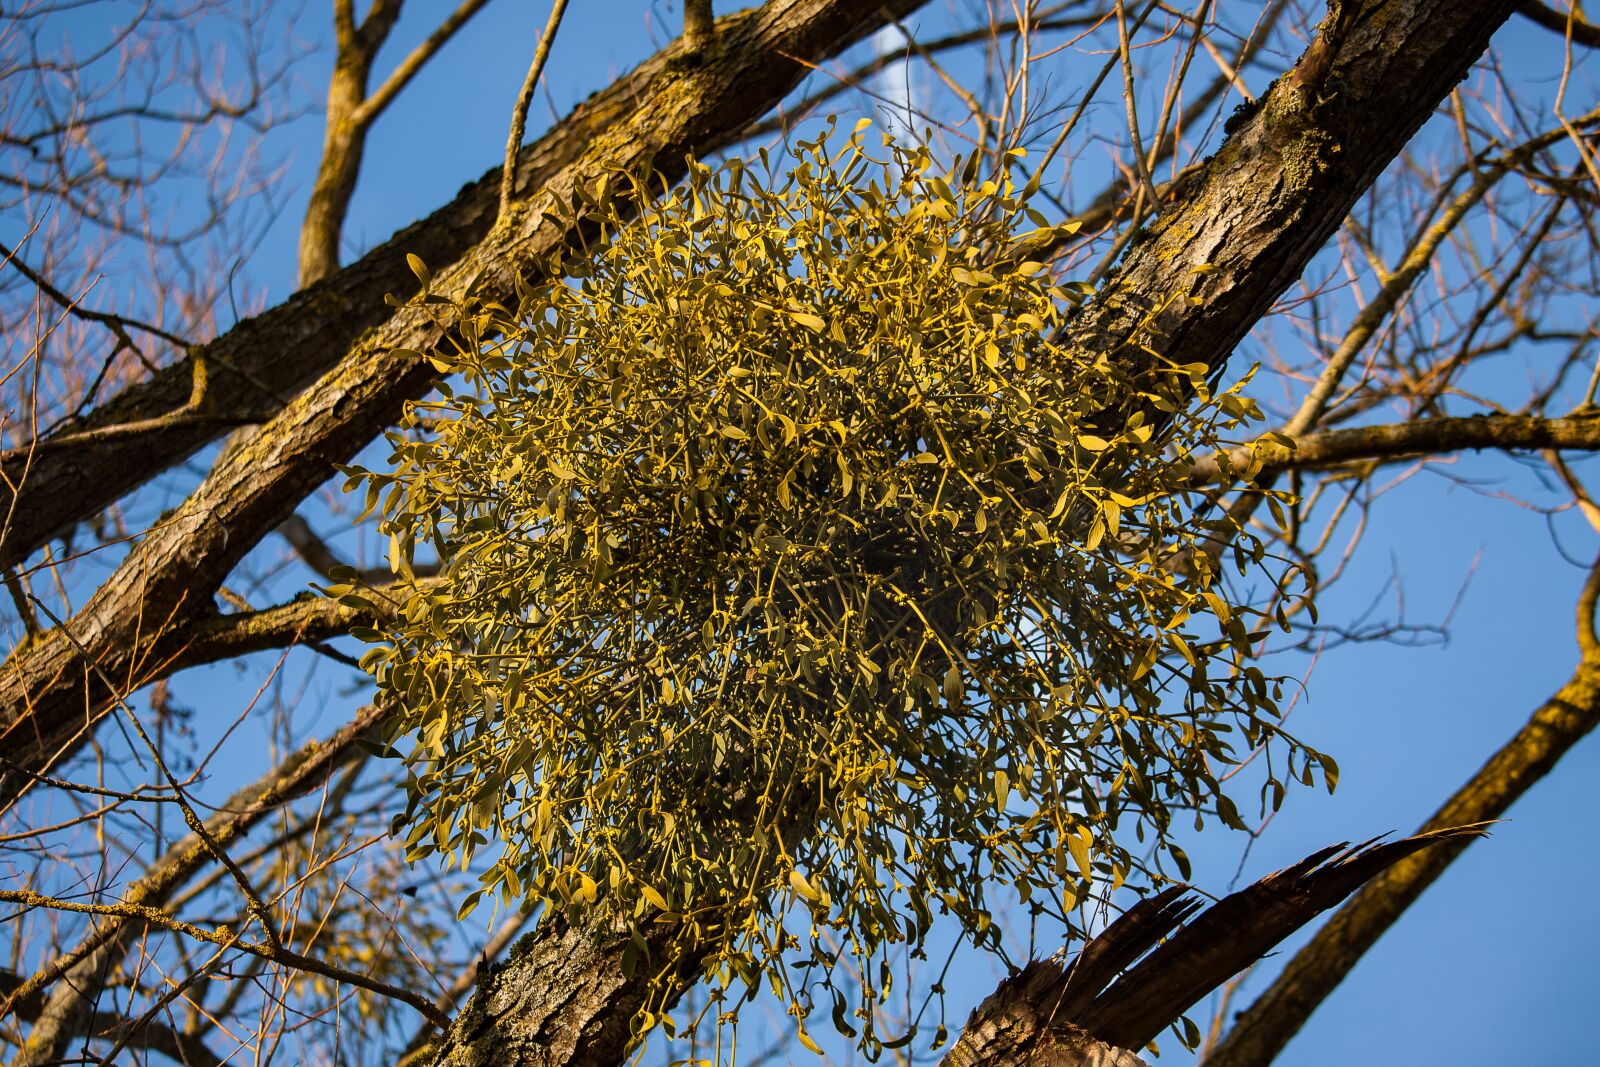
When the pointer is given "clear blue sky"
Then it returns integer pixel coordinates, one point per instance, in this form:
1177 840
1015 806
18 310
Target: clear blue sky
1496 965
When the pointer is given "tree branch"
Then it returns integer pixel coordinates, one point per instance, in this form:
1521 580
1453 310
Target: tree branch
72 977
699 26
1262 1031
1393 442
1576 26
176 1045
226 938
375 104
1109 1001
519 114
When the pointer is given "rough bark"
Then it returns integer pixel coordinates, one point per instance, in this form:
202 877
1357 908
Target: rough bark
1393 442
1108 1001
1244 229
53 690
1571 713
562 998
1019 1023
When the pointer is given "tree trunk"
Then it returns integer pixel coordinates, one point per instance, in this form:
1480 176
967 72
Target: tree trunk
562 998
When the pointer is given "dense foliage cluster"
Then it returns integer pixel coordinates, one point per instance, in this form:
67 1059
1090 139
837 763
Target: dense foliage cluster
798 586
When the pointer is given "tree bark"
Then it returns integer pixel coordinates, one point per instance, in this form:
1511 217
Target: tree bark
1398 441
562 998
1244 228
1108 1001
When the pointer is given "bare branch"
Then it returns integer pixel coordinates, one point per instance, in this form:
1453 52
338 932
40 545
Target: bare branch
1570 24
1400 441
519 114
415 60
71 977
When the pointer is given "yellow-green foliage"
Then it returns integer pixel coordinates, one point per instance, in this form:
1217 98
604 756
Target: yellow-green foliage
791 576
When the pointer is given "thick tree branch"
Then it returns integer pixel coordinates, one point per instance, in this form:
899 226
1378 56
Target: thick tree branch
1398 441
1109 1001
562 998
351 111
699 26
344 136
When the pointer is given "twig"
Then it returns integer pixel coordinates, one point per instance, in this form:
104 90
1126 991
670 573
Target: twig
519 117
699 26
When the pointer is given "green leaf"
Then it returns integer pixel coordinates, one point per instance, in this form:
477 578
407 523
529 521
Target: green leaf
1330 771
800 885
1079 847
954 687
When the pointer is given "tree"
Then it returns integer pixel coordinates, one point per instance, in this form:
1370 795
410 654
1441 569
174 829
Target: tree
1471 236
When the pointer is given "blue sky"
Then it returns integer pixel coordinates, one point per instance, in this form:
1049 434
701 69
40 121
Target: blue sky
1495 964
